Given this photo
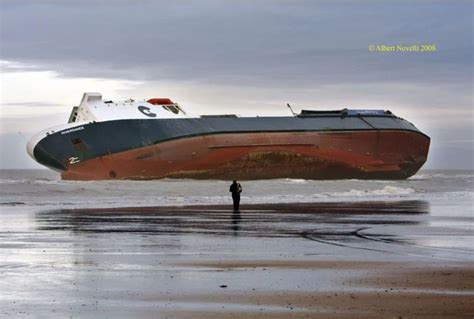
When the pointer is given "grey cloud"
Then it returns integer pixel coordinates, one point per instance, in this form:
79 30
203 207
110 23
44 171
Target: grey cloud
306 52
266 43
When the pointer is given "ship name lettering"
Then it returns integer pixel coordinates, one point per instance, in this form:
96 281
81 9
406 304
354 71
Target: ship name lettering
80 128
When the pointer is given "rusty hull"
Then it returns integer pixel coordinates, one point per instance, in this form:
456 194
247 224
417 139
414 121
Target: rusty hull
381 154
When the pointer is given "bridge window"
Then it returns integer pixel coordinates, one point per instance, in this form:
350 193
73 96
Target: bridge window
172 108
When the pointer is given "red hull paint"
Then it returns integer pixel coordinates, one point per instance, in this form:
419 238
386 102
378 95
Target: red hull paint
310 155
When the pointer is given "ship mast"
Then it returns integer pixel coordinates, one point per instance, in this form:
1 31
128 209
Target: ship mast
289 106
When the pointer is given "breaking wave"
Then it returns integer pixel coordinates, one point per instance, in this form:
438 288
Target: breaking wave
387 190
294 181
35 188
427 176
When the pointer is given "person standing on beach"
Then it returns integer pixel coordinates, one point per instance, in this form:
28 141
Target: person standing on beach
235 189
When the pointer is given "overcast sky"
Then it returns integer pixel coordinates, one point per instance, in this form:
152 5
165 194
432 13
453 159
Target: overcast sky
246 57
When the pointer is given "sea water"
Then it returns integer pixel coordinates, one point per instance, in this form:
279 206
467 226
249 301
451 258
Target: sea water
44 188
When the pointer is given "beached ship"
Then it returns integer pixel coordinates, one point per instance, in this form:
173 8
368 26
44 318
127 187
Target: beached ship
157 138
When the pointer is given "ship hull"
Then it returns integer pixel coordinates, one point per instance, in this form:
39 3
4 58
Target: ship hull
388 154
334 147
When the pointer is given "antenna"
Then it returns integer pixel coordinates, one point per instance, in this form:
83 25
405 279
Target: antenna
289 106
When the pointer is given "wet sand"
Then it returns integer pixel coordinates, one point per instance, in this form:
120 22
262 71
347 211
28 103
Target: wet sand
404 259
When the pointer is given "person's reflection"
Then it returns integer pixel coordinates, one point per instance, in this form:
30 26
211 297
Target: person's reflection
235 222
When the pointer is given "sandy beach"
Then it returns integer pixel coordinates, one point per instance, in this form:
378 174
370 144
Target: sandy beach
399 259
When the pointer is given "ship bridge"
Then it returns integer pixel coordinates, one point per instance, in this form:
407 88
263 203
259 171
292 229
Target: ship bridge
94 109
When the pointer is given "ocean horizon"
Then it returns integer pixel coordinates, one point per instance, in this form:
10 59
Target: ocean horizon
40 187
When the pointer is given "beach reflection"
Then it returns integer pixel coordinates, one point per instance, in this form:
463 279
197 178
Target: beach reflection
235 222
328 220
387 227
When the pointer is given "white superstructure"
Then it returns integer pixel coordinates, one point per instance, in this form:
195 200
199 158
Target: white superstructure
93 108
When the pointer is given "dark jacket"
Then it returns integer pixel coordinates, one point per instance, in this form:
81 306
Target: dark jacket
235 188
